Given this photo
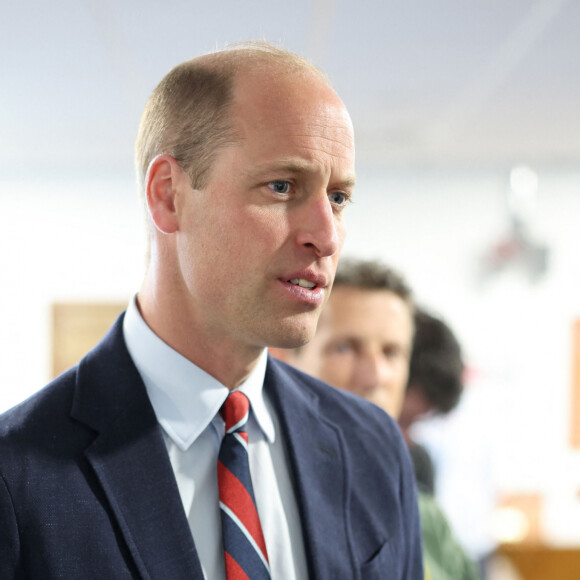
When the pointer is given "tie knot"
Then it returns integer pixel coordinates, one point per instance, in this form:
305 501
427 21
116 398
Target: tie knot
235 411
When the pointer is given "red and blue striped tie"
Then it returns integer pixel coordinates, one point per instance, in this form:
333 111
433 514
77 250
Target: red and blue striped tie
244 546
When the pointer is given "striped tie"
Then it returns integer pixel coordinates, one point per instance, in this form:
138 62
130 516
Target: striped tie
244 546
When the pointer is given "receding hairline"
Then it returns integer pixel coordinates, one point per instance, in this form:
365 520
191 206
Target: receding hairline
229 64
237 57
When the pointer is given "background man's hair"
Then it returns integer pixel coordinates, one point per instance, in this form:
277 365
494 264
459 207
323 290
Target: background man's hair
372 275
436 367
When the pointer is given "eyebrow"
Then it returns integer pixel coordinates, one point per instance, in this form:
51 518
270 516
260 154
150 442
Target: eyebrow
297 167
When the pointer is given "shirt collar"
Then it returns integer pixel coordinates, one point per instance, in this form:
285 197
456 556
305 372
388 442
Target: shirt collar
184 397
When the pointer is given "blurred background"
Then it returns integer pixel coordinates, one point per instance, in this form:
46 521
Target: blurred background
467 120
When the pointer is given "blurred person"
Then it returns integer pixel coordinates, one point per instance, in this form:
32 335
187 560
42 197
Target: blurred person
124 466
460 477
363 344
364 338
434 386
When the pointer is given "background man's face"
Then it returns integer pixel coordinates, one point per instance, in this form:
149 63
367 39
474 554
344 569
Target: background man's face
362 345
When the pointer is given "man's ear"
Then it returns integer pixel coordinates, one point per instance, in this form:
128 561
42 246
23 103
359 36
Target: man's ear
163 181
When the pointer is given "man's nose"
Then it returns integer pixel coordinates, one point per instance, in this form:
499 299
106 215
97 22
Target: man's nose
372 371
319 227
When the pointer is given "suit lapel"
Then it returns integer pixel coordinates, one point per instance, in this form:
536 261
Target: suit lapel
131 462
321 482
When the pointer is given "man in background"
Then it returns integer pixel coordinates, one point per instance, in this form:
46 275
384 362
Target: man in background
436 423
364 344
434 386
124 466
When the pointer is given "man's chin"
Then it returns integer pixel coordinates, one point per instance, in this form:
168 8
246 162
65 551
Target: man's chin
293 337
291 341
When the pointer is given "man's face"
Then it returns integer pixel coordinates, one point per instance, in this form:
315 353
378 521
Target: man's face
259 244
362 345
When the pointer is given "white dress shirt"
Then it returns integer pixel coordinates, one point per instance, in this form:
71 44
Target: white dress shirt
186 401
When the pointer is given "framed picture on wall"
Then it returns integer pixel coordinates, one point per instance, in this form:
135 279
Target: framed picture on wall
77 327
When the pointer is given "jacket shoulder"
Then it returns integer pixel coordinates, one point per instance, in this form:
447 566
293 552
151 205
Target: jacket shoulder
50 414
332 400
46 406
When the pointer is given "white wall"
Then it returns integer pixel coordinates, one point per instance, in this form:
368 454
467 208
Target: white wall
516 334
67 239
82 239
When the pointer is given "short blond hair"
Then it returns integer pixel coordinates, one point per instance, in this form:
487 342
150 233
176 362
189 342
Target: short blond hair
188 113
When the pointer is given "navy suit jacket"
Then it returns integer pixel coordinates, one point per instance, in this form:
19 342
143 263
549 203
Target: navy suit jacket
87 490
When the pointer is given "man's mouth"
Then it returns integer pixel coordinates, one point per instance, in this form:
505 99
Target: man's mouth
303 283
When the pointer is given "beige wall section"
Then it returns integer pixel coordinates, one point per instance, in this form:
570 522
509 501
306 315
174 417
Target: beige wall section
77 327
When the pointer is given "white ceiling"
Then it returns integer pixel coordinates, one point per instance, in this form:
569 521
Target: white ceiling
429 83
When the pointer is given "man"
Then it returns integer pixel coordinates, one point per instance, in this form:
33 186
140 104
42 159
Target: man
435 372
365 335
363 345
464 486
434 387
115 470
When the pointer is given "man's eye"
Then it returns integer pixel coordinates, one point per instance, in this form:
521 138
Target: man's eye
338 197
342 348
392 352
279 186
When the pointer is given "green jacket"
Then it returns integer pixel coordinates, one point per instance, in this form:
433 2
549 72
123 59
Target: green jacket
444 557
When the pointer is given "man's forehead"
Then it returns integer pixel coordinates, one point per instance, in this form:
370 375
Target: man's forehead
344 292
351 303
273 87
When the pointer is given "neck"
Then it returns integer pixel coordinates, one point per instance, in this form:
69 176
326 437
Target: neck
182 329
